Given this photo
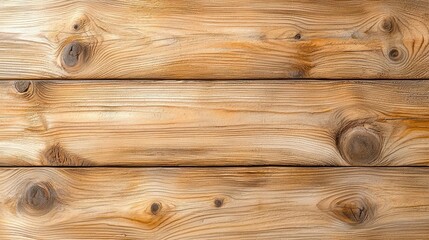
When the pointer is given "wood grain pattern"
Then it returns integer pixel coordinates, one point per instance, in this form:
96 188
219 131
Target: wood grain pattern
220 39
214 123
214 203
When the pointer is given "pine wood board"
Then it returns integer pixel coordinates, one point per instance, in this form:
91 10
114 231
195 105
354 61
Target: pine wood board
214 203
222 39
214 123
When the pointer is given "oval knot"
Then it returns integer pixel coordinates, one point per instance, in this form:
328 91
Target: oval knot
74 55
38 199
359 145
350 208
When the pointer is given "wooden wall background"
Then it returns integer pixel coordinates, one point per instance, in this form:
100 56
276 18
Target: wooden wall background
201 119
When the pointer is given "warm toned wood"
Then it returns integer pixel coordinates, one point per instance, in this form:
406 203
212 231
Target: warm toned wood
214 123
222 39
214 203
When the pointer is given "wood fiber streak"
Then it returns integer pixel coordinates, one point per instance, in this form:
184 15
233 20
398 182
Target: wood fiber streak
222 39
214 203
214 123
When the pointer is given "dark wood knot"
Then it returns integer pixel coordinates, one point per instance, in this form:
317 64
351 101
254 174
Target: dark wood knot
38 199
74 54
22 86
297 36
80 22
359 145
352 209
352 212
394 53
397 54
218 202
155 208
387 25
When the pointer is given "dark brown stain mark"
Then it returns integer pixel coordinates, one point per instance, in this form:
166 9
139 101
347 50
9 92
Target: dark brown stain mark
74 54
155 208
359 144
38 199
56 155
22 86
350 209
218 202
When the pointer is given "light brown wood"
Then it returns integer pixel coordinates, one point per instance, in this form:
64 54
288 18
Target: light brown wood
214 203
222 39
214 123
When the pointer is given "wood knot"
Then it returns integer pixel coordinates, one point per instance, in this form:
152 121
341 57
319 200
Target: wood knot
80 22
155 208
74 55
359 145
351 209
218 202
22 86
396 55
297 36
76 27
38 199
56 155
297 73
352 212
387 25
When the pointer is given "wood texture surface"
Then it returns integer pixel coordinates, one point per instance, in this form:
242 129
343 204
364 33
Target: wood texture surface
123 158
214 203
220 39
214 123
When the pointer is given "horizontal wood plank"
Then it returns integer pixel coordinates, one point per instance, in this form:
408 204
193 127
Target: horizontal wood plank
222 39
214 123
214 203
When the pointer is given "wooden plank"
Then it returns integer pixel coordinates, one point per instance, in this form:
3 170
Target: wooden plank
222 39
214 123
214 203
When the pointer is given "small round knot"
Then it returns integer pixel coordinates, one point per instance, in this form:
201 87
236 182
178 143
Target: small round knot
38 199
218 202
74 54
397 55
80 22
394 54
297 36
22 86
155 208
359 145
387 25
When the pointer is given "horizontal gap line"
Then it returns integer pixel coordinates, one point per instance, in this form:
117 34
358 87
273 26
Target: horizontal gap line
222 80
221 166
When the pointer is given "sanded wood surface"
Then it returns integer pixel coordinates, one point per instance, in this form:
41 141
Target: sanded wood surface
222 39
214 123
214 203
